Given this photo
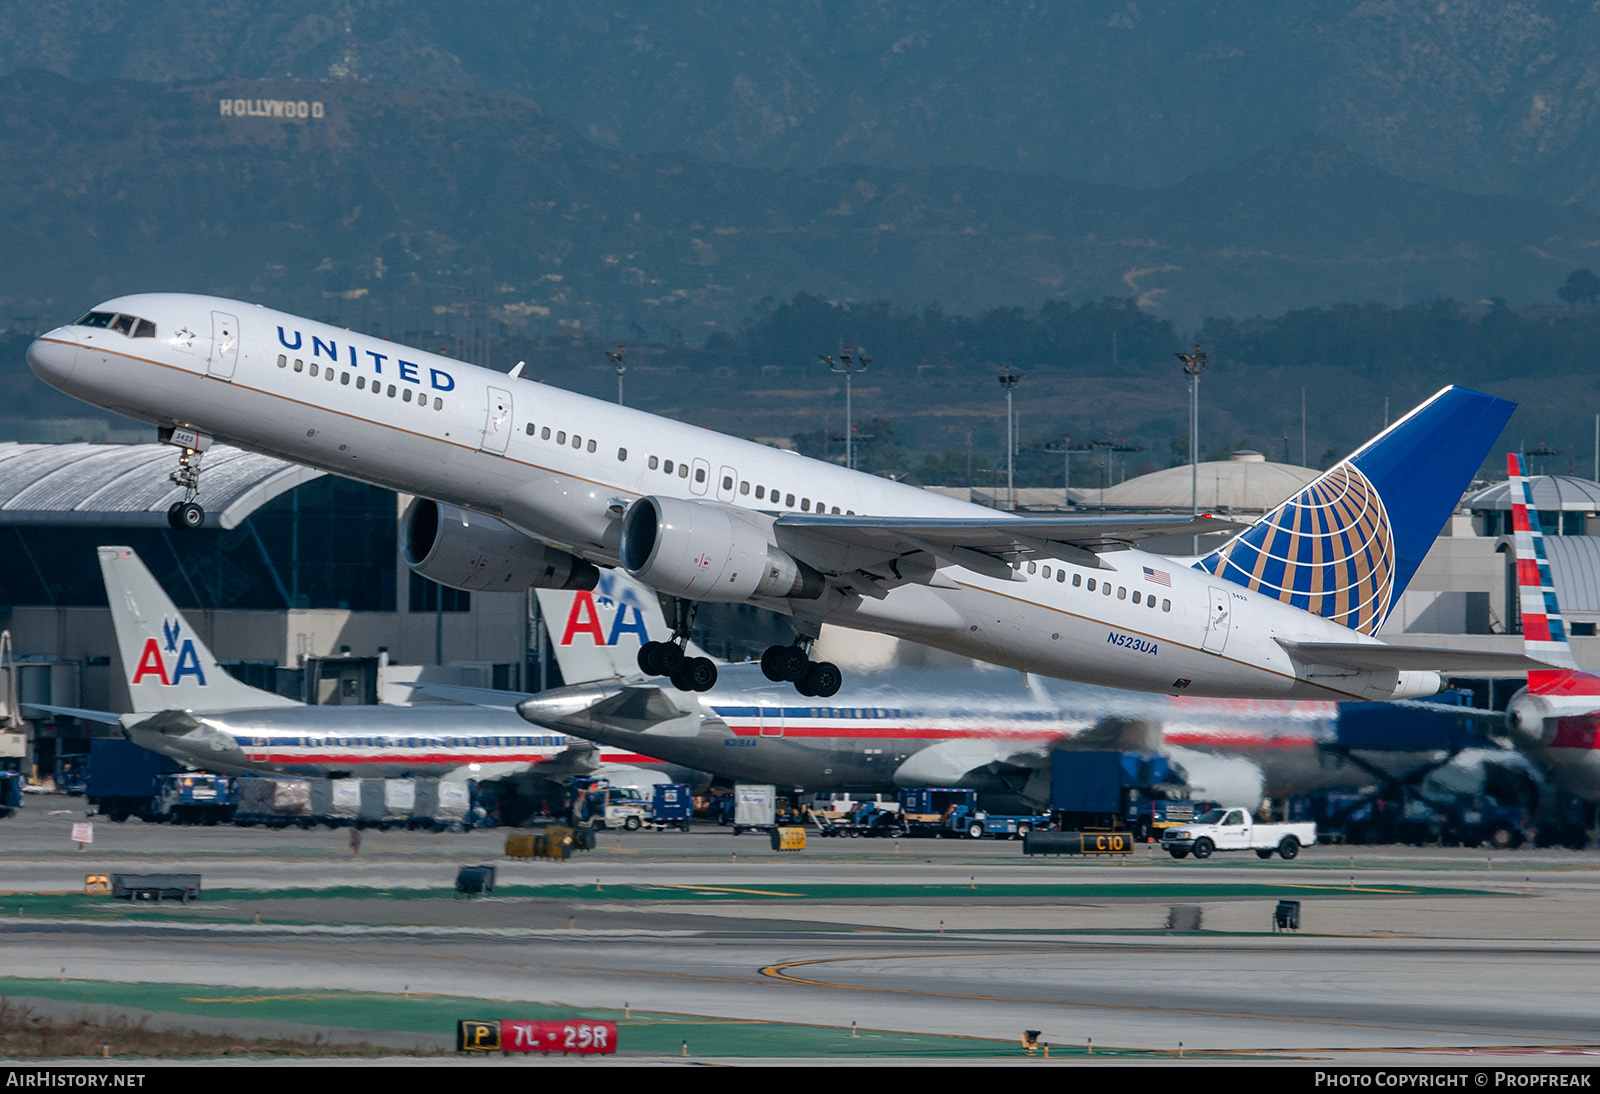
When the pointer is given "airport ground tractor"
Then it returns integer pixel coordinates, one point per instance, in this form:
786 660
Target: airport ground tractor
1234 829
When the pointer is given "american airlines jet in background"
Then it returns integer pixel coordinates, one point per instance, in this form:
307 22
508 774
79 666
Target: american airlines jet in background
531 486
187 706
1555 720
974 727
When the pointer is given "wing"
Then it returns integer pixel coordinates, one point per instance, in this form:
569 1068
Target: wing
1377 657
883 547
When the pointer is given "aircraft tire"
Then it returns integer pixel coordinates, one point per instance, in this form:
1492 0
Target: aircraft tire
769 664
792 662
1289 848
186 515
823 679
1203 848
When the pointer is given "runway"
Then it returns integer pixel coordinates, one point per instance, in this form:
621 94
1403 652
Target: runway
1405 956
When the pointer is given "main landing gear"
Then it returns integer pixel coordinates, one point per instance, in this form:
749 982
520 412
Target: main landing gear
669 659
819 679
186 514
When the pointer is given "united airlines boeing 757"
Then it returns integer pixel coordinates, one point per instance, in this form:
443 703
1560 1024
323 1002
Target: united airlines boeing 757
531 486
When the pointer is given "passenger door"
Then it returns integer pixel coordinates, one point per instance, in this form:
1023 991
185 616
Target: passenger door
497 422
224 345
1219 620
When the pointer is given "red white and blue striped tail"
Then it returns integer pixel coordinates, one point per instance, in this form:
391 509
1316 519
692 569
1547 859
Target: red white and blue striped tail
1544 632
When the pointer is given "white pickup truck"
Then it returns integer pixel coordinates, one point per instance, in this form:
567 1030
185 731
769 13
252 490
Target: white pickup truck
1235 830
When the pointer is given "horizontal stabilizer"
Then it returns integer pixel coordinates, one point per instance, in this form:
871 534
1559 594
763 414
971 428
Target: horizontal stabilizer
34 710
474 697
1376 657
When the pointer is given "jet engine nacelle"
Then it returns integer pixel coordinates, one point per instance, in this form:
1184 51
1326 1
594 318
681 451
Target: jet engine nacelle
480 554
706 552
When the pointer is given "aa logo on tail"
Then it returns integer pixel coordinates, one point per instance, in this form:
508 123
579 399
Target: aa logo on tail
584 618
177 661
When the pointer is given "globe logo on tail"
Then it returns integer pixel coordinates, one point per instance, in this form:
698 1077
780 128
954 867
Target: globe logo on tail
1328 550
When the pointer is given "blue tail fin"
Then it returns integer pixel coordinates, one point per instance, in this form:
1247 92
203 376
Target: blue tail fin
1346 546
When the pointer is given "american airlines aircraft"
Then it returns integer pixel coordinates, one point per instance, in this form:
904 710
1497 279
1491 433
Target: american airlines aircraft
530 486
187 706
1555 720
978 728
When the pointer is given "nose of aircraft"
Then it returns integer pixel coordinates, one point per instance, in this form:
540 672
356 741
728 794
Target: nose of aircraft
51 358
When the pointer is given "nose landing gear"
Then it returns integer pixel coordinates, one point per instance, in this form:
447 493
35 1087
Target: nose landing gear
186 514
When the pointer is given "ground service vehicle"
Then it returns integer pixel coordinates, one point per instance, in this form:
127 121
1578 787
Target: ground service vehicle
10 792
1236 830
945 811
598 804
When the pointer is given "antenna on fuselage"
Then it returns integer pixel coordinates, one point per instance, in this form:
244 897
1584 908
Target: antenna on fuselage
516 373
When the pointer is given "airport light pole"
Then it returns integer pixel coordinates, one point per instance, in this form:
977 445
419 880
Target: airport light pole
1193 365
1009 378
849 363
620 359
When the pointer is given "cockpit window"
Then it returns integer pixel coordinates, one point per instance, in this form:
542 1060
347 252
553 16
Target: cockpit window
122 324
131 325
145 329
95 319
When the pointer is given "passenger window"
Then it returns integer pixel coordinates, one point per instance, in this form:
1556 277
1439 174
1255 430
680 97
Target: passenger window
1091 584
145 329
329 374
655 462
788 501
1122 592
805 505
761 492
835 508
391 386
299 365
283 362
1166 605
622 455
683 471
591 445
1151 601
122 324
544 434
344 379
561 437
1077 580
667 467
313 370
1033 567
1105 590
1061 576
530 429
744 487
438 403
727 482
406 395
1136 596
699 474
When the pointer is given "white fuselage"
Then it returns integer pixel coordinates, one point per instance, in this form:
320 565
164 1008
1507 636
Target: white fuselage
562 468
